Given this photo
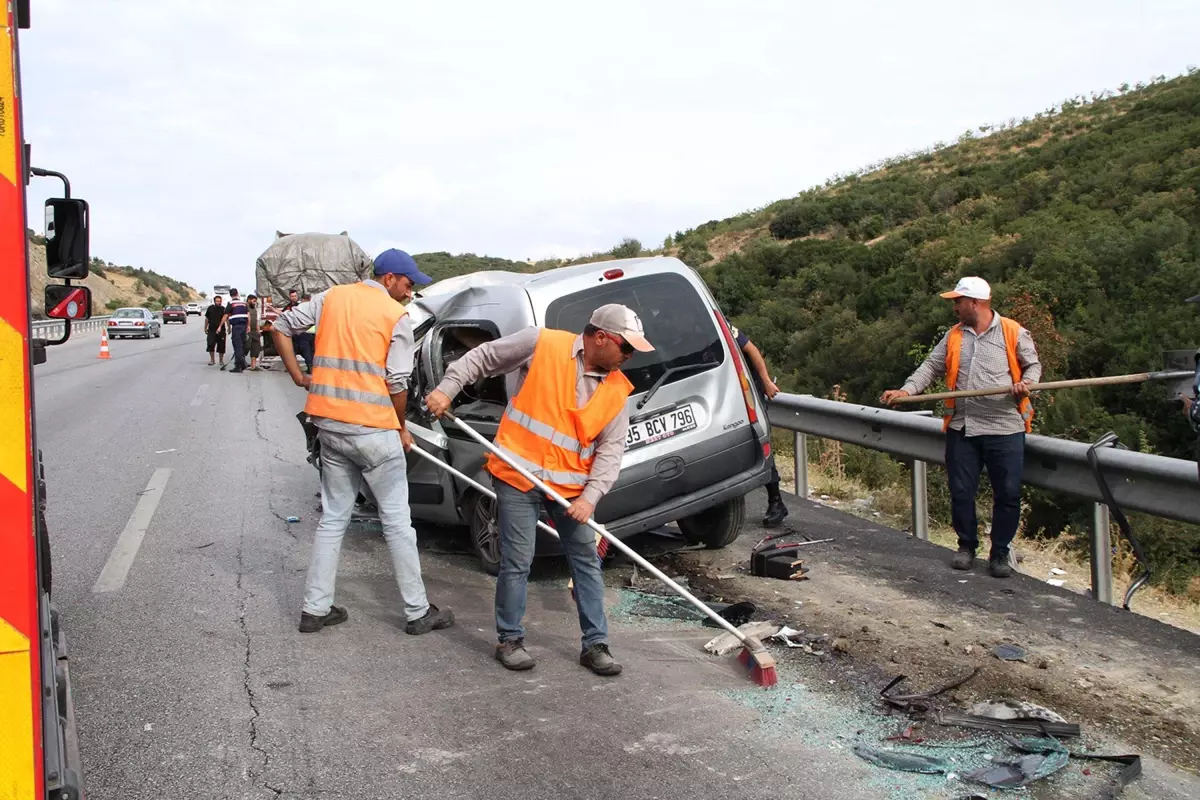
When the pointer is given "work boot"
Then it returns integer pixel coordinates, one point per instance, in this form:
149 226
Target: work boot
998 566
311 623
963 559
434 620
513 655
776 511
599 660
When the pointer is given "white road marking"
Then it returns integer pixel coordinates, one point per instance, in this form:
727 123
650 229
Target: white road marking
200 392
116 569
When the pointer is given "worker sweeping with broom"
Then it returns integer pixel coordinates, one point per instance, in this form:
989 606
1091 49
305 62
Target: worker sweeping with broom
982 351
566 426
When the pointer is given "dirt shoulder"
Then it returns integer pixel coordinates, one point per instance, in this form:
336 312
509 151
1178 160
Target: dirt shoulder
892 603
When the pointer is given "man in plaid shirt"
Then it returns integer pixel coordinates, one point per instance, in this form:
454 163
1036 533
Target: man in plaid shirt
983 351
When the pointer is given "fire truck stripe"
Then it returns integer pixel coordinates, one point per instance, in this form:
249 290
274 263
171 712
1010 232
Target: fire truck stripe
16 716
14 449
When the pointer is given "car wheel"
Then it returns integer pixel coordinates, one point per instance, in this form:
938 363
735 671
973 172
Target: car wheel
717 527
484 525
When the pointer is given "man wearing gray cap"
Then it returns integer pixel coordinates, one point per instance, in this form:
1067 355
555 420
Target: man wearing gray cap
566 425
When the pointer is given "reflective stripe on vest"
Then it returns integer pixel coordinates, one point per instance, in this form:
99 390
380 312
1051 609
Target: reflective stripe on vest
547 432
349 366
1012 332
544 430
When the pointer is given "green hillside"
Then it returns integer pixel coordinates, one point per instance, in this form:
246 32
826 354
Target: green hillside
442 265
1085 219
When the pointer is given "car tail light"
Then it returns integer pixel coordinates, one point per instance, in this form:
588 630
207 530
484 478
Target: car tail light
740 366
140 324
766 449
613 274
112 323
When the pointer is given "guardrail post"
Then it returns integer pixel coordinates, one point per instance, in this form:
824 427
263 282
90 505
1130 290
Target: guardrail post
920 501
800 457
1101 561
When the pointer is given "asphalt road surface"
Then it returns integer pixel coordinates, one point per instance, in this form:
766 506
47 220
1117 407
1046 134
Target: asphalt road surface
180 582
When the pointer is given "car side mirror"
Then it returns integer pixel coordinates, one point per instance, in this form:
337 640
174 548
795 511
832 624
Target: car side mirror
68 302
67 253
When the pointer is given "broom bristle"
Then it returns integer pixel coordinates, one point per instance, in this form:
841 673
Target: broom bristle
761 665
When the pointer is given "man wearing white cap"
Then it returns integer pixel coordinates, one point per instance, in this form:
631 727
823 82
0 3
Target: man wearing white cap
983 351
566 425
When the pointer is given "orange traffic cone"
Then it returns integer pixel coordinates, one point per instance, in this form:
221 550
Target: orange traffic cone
104 344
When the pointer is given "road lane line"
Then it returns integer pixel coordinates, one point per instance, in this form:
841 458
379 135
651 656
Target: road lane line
199 398
116 569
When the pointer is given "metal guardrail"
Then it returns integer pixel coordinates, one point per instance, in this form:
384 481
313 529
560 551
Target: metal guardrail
1157 485
53 328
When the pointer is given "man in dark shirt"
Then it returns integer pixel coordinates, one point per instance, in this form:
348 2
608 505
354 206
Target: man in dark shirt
237 317
253 332
302 342
214 326
776 510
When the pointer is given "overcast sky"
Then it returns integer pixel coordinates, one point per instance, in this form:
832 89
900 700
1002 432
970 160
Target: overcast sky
522 129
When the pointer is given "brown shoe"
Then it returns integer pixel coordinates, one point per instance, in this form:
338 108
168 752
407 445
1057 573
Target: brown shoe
513 655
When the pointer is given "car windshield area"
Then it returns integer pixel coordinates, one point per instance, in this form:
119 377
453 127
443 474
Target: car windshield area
677 321
128 313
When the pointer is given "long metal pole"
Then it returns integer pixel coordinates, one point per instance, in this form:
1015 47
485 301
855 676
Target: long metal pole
800 458
920 501
1101 554
613 540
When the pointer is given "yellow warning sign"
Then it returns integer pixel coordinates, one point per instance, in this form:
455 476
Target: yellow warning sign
14 448
8 109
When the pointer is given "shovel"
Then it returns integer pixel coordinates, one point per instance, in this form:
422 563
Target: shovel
754 654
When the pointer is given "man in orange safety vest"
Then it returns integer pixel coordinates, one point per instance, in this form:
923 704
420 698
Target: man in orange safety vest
357 393
983 351
566 425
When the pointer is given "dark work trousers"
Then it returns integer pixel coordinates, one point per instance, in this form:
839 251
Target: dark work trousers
302 343
966 457
238 334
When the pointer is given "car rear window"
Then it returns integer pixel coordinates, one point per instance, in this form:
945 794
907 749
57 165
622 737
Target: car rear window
128 312
677 321
174 308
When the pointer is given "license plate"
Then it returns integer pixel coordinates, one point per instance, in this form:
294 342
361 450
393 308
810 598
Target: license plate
660 426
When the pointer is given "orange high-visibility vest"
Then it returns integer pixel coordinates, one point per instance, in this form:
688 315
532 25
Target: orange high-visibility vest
542 428
350 360
1012 330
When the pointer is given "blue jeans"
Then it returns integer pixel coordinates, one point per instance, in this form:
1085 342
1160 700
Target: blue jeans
346 461
518 512
238 334
1004 457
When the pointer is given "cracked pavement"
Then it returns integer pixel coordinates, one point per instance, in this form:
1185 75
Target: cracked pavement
192 681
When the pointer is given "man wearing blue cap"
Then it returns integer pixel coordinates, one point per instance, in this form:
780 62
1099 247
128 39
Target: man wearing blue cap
357 394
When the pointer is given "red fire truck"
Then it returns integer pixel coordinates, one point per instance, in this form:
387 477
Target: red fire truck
39 755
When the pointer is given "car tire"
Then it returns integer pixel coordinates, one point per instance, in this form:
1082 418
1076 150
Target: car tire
717 527
484 526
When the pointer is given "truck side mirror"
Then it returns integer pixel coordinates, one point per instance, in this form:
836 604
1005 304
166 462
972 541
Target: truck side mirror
67 253
68 302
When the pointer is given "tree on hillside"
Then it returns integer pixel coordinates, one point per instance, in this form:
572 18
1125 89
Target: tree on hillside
628 248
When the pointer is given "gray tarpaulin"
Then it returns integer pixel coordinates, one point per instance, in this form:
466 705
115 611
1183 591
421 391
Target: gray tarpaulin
309 263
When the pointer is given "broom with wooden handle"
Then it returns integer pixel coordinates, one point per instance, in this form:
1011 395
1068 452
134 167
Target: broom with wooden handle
754 655
1110 380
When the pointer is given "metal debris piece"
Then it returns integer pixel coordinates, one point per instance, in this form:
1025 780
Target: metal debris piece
905 762
1013 709
921 701
1042 758
1010 652
1022 726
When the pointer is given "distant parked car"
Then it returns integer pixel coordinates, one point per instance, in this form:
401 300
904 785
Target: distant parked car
136 322
194 308
174 314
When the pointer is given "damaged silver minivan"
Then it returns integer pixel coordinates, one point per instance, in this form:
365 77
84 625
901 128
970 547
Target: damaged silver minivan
698 437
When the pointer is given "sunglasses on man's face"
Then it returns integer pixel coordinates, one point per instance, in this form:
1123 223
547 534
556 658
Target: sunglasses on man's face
626 347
